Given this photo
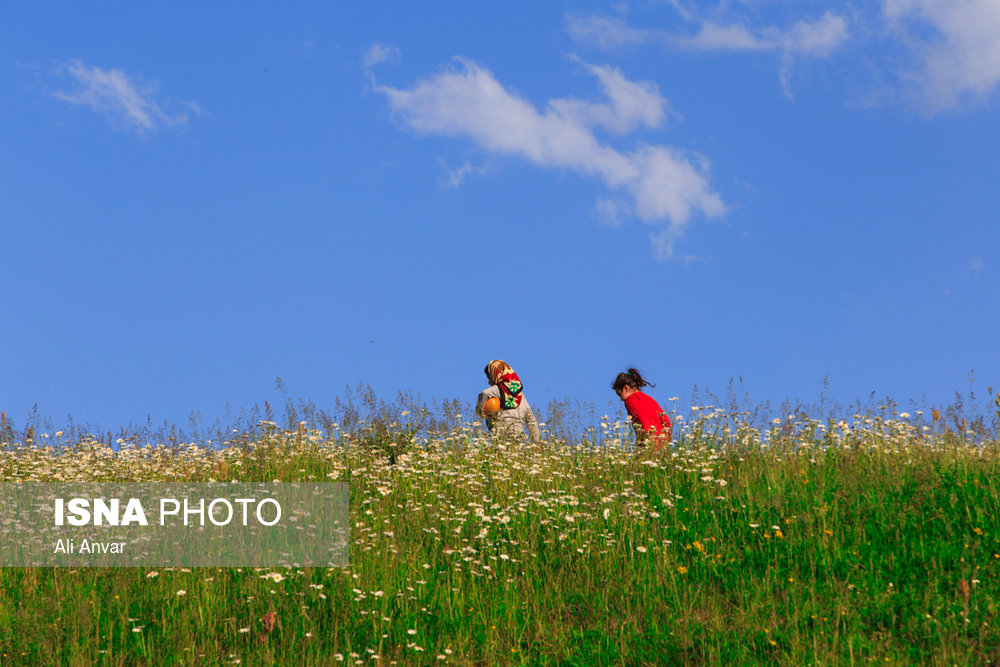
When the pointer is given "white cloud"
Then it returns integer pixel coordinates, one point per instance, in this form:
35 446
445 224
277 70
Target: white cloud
605 33
611 211
126 103
714 37
959 61
632 104
819 38
665 186
813 39
456 177
663 244
379 53
951 47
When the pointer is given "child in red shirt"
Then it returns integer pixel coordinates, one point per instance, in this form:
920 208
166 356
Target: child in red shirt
649 420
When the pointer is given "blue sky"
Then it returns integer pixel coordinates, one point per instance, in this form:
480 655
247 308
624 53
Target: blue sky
195 200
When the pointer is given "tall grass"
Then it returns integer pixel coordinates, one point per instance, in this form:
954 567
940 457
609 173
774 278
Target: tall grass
759 539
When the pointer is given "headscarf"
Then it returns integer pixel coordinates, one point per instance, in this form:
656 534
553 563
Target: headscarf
502 375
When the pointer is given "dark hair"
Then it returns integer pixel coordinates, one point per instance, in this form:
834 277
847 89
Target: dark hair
630 378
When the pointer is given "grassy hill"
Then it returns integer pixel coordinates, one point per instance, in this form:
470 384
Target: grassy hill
874 538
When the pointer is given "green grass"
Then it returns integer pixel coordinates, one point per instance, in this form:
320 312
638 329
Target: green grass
810 544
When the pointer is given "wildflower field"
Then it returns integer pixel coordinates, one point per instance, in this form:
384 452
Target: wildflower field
758 539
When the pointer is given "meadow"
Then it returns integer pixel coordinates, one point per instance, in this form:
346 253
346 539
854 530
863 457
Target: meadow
870 537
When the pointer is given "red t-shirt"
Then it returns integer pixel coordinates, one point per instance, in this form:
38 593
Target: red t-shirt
648 414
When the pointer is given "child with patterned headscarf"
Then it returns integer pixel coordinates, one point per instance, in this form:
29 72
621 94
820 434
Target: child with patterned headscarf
515 413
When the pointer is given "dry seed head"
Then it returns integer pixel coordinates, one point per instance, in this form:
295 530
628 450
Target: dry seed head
270 619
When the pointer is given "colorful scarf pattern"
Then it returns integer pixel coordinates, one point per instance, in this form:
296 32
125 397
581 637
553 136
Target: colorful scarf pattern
502 375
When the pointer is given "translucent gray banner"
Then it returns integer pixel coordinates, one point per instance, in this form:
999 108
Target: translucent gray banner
174 524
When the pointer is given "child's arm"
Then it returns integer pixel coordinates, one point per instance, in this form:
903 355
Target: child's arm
529 416
665 427
485 395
